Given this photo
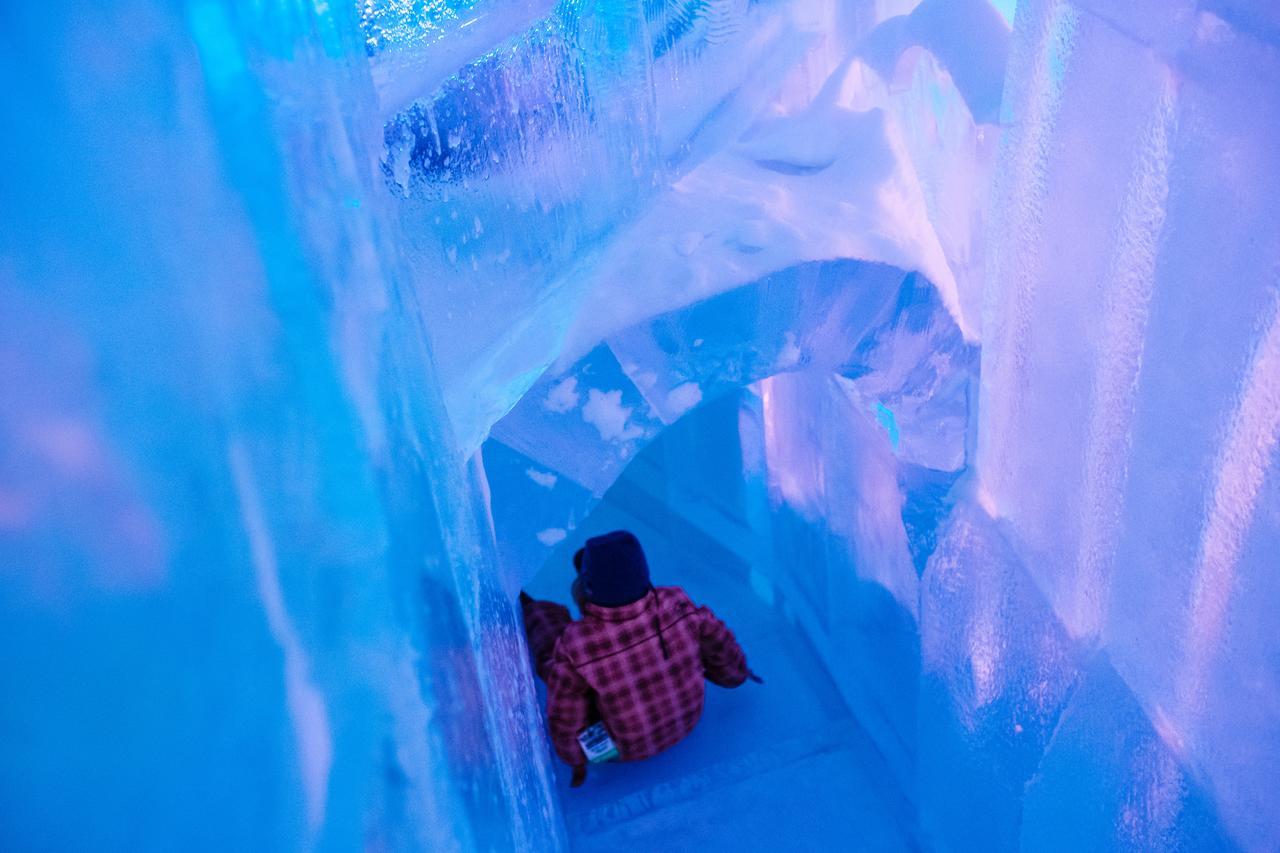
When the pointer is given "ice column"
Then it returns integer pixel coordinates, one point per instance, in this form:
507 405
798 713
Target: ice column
1128 443
247 595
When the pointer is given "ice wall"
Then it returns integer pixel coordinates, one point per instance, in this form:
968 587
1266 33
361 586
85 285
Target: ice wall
1122 655
619 161
771 227
1095 665
272 273
247 599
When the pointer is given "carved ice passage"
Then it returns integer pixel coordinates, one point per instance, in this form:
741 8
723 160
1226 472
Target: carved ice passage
935 345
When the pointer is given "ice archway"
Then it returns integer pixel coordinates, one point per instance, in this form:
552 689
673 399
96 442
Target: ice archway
561 448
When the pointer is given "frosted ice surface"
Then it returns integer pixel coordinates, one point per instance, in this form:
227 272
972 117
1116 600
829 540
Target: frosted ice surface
245 598
947 351
1156 391
693 148
888 332
997 669
414 47
1111 776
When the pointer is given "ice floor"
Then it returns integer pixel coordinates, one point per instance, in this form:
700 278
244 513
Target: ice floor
779 766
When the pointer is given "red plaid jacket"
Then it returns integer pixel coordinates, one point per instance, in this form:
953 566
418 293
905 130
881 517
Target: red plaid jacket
639 668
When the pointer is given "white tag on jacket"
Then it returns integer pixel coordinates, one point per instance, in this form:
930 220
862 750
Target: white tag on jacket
597 744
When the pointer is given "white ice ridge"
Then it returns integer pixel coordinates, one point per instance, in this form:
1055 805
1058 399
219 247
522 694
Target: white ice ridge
307 711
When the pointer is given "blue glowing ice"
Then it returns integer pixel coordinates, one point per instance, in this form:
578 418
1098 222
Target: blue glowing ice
934 343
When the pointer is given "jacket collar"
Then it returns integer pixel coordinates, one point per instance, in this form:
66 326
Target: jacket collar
623 613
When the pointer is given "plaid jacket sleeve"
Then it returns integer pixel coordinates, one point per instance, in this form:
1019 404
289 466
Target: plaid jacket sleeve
568 709
544 622
722 657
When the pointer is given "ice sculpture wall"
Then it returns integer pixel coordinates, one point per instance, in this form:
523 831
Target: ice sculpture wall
691 146
271 274
1096 666
1097 670
248 600
247 597
1130 363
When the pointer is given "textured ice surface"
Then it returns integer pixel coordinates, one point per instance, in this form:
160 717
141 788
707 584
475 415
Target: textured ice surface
1090 617
887 332
247 600
621 161
1131 371
947 354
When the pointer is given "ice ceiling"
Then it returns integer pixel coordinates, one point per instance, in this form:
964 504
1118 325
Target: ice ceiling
325 326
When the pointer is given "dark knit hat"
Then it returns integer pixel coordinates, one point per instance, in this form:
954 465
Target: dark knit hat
614 570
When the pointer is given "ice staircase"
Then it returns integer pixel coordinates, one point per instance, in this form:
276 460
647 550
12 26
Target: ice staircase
778 766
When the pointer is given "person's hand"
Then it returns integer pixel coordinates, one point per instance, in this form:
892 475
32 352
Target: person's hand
579 776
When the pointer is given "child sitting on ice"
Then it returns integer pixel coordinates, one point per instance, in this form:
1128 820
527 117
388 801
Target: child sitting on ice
635 662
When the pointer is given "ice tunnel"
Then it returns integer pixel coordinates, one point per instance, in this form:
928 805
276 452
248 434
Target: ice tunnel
934 344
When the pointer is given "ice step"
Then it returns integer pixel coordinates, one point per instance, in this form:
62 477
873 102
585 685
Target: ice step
813 791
